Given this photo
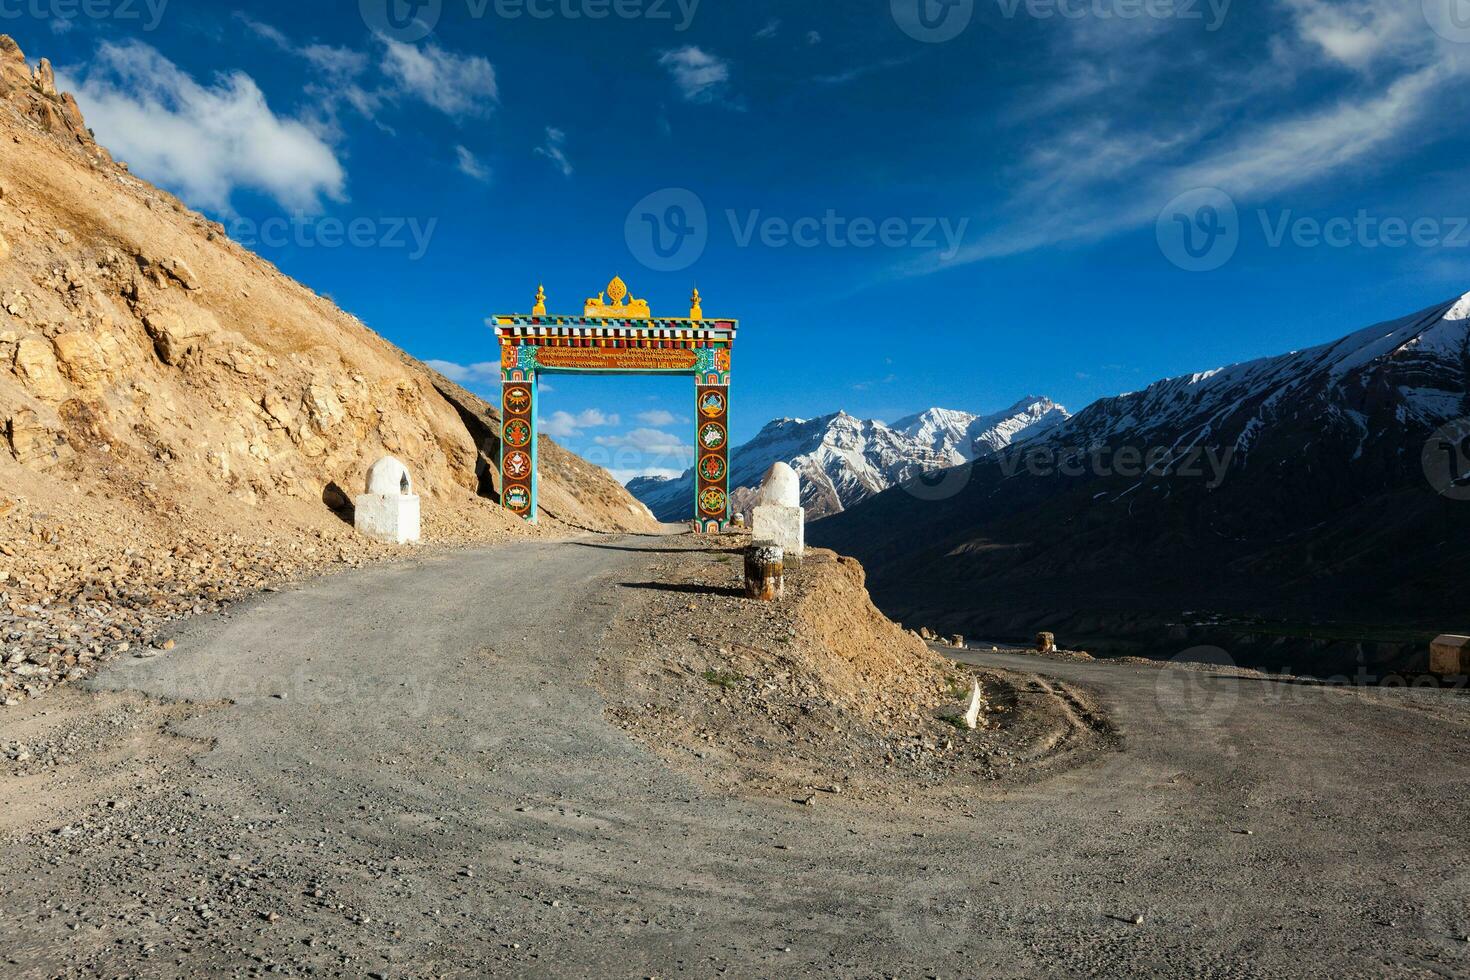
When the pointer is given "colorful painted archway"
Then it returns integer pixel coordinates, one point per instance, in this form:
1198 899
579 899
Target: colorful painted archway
616 334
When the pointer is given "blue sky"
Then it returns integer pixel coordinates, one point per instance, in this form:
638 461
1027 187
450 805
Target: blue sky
958 209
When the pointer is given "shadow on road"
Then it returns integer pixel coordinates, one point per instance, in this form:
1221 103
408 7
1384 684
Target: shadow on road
689 588
655 551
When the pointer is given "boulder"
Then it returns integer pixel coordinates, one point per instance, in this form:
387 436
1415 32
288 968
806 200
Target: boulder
175 334
181 273
1046 643
1449 656
81 358
35 362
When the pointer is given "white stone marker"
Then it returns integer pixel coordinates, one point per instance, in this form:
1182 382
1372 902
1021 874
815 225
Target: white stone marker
389 511
972 714
779 517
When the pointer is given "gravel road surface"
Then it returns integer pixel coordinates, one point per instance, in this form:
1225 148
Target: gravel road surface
406 771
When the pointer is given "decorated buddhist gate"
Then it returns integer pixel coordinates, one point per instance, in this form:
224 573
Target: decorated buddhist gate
616 334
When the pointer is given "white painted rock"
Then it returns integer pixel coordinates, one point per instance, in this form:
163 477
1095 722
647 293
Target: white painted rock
389 511
388 477
780 487
783 526
972 714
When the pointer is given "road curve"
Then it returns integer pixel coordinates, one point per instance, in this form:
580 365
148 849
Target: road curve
409 773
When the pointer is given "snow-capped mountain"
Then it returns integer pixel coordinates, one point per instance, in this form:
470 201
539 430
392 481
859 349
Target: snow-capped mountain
962 437
1302 486
843 460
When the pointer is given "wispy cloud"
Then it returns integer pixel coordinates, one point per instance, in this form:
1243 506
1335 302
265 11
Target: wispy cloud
647 440
470 165
456 85
656 417
1113 160
339 73
554 149
853 74
699 76
565 425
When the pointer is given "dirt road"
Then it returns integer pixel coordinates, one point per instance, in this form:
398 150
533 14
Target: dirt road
405 771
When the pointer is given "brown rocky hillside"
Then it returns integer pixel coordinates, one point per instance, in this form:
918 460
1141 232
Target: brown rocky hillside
178 419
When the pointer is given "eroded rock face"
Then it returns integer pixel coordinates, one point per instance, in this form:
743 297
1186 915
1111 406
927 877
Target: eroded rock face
34 443
36 365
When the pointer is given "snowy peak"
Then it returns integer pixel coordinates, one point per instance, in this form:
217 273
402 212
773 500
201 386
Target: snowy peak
843 459
961 436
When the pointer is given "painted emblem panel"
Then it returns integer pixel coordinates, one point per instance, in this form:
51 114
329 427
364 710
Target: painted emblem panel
712 501
518 498
712 435
712 468
518 399
712 405
517 465
517 433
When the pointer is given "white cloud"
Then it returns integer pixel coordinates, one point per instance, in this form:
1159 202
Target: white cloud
1357 32
470 164
457 85
554 149
700 77
813 38
772 27
651 441
205 142
564 425
467 373
657 417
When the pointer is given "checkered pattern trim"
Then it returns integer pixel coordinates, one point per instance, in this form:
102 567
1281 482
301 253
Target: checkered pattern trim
546 323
